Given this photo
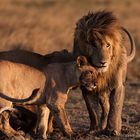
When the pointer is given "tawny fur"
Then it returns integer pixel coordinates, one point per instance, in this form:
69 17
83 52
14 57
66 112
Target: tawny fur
52 92
92 34
36 60
18 81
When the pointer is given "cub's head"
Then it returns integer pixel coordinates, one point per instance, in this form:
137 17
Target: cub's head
88 75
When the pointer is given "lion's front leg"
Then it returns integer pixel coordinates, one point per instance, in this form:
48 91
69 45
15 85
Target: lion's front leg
116 103
92 107
104 102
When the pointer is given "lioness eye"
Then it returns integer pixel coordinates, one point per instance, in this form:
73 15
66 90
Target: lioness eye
108 45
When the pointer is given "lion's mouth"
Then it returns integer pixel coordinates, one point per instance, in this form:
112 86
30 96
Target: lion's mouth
101 66
97 66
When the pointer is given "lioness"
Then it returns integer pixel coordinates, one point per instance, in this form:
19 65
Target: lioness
98 37
18 81
21 80
35 60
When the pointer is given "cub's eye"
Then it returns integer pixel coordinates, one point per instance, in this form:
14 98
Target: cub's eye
108 45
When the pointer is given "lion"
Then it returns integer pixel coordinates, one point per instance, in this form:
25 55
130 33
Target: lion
13 81
48 92
37 61
98 37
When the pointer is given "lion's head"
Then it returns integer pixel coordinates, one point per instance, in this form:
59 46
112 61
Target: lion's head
98 37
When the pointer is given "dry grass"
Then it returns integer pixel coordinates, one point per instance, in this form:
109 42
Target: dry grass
44 26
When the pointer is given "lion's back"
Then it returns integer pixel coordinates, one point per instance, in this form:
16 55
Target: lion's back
19 80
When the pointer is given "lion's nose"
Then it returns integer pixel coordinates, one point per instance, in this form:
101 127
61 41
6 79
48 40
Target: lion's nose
103 63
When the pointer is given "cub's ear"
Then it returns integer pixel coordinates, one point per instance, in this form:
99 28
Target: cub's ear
81 61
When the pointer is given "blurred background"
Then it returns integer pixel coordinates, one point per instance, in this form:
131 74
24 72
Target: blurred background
44 26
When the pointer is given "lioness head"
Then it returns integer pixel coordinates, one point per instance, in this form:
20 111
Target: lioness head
88 75
97 36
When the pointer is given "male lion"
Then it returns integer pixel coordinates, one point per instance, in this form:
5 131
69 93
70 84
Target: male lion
98 37
21 80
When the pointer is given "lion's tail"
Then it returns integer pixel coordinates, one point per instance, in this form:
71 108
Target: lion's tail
30 100
133 47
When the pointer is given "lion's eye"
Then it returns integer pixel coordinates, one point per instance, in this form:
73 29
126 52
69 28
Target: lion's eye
94 46
89 45
108 45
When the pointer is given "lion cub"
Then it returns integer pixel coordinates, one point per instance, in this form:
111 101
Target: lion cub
60 79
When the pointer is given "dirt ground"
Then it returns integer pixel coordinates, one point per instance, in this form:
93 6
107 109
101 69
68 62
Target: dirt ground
44 26
78 117
79 120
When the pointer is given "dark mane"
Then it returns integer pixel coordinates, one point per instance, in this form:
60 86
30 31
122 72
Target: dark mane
103 22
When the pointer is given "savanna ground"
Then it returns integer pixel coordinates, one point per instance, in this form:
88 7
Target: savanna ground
44 26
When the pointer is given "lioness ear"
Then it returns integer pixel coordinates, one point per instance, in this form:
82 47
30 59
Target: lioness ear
81 60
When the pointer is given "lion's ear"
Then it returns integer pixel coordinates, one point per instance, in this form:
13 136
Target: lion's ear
81 60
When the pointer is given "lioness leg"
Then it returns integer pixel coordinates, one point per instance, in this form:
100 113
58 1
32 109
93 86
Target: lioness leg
92 109
50 123
116 104
42 122
104 102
